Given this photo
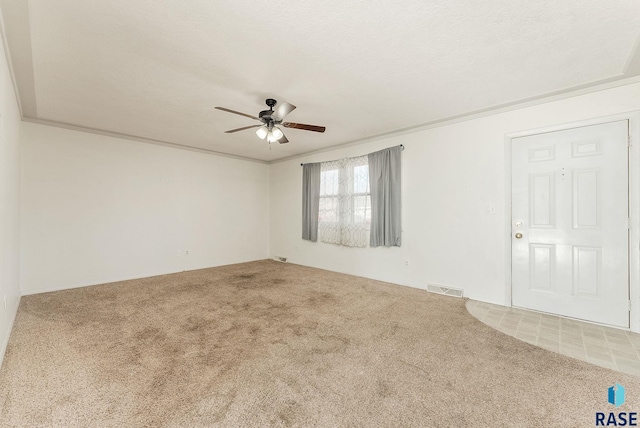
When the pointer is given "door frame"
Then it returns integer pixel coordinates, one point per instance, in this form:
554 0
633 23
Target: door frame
634 203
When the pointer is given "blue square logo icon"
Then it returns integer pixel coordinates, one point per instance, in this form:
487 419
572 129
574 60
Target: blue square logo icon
616 395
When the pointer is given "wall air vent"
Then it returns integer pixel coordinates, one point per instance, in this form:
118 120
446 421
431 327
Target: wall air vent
447 291
280 259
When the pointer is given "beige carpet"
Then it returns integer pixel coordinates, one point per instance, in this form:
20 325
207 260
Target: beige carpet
272 344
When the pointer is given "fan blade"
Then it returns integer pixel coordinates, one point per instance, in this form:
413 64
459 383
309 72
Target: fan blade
283 139
242 129
237 112
303 126
283 109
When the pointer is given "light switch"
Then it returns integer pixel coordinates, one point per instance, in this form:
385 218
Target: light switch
490 209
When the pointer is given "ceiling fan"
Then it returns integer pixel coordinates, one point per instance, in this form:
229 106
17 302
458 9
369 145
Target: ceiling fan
270 118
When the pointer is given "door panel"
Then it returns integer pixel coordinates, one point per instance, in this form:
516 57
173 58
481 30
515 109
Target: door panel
587 265
570 205
542 204
586 197
542 266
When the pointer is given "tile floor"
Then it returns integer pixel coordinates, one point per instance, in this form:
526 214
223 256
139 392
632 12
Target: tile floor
603 346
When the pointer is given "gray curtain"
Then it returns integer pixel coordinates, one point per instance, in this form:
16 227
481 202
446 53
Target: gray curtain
385 171
310 200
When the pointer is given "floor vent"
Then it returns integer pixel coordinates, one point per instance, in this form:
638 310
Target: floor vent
280 259
447 291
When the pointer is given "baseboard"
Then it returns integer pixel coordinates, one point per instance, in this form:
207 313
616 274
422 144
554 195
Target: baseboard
90 284
5 342
121 279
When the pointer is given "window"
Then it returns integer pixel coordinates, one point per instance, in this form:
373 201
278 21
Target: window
339 197
345 203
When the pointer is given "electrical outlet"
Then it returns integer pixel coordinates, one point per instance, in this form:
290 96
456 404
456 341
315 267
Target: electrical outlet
178 253
406 262
186 252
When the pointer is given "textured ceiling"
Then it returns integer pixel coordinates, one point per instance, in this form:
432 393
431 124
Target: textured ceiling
155 70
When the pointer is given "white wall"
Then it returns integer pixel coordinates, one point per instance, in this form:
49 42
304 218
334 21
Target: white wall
450 174
97 209
9 203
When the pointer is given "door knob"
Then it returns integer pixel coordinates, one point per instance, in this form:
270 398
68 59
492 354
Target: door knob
518 235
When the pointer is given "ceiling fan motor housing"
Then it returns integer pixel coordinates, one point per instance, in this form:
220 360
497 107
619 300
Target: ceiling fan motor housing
267 117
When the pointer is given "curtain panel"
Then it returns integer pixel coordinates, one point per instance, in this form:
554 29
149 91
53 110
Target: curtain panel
310 200
385 172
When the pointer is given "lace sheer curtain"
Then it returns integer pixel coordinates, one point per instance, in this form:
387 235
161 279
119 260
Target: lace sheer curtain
345 202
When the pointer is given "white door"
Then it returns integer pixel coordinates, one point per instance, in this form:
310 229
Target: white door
570 230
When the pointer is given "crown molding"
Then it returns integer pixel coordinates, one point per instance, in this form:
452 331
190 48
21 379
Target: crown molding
588 88
138 139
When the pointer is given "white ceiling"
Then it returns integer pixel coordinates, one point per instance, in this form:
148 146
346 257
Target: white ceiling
155 70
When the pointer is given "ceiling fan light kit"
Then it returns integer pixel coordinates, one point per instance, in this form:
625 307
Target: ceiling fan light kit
276 134
262 132
270 118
